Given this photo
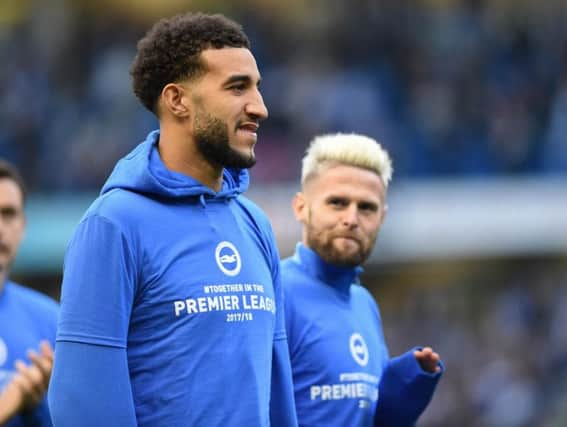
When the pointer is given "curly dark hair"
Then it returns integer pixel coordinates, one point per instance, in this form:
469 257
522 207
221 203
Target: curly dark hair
171 49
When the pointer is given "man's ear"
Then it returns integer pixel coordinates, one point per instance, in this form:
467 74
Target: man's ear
299 206
174 98
383 216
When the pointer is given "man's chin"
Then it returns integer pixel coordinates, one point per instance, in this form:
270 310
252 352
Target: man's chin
346 245
243 162
247 156
345 259
239 158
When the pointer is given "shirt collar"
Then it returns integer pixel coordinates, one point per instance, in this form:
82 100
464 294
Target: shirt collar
338 277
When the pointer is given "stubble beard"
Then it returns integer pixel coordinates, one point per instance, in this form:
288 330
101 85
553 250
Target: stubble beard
211 136
326 249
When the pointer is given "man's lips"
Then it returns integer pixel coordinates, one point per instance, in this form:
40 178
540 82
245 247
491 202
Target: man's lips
353 238
249 127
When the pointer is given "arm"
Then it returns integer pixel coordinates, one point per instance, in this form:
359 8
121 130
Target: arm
10 402
282 402
406 387
91 387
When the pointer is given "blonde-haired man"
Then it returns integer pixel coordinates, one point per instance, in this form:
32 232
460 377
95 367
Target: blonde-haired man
342 372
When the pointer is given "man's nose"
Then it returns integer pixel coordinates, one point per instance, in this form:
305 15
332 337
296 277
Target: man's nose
350 216
256 107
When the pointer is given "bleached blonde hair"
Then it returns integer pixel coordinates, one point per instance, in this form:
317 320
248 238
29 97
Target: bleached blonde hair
346 149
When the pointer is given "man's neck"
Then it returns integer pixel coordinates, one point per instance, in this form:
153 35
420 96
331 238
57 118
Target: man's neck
180 155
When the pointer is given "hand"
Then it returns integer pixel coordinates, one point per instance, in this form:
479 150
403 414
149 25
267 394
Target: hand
11 400
428 359
32 380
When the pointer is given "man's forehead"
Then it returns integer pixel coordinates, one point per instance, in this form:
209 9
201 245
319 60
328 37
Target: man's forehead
344 180
230 60
10 193
343 173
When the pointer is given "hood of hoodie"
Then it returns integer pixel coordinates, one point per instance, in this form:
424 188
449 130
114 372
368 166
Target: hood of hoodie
142 171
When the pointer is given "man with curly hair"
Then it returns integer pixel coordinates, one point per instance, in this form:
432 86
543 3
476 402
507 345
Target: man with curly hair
171 308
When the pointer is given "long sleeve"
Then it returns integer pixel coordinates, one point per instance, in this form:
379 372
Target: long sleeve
90 387
39 417
405 390
90 384
282 402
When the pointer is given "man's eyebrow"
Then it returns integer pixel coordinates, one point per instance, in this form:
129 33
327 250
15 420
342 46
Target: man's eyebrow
240 78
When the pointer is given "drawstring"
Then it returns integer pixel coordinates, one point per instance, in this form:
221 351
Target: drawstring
202 200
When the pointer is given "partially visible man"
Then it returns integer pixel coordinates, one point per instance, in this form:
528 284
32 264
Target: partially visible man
342 371
171 309
28 319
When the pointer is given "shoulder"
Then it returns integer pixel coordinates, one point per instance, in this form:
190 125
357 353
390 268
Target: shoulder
363 296
118 205
289 267
32 298
361 292
256 219
253 210
118 212
293 277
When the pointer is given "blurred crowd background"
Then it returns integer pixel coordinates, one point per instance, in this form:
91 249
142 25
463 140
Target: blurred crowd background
452 88
456 90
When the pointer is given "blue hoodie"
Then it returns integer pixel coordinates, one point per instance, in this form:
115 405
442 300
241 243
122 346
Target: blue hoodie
342 372
26 318
182 284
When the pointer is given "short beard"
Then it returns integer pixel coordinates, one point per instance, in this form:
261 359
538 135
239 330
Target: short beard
211 135
331 255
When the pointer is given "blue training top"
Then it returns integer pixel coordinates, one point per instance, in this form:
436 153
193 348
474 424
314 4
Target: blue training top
26 318
185 280
342 372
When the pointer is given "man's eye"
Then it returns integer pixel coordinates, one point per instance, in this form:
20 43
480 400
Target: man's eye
337 202
8 214
238 88
368 207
